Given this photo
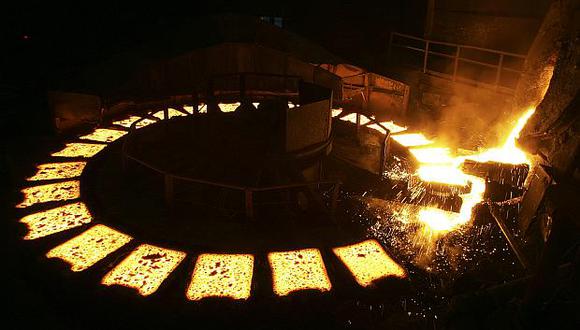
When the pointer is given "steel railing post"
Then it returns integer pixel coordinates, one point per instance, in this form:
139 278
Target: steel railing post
456 62
498 73
425 57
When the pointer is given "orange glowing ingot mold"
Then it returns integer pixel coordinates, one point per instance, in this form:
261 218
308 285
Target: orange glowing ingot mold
60 191
170 111
55 220
129 121
52 171
104 135
368 262
144 269
298 270
86 249
221 275
84 150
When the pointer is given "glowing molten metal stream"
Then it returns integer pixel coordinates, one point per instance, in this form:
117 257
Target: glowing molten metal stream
437 165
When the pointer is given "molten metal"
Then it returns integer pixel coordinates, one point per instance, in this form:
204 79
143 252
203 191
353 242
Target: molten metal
368 262
52 192
390 125
86 249
170 112
84 150
56 220
229 107
509 153
433 155
298 270
104 135
437 165
222 275
129 121
53 171
412 139
144 269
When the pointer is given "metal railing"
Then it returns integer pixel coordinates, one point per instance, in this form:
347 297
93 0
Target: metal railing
505 67
170 179
385 143
241 81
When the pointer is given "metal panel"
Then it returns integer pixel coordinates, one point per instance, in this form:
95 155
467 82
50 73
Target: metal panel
307 125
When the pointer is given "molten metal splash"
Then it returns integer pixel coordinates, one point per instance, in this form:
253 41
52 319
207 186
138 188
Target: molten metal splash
298 270
144 269
86 249
437 165
368 262
222 275
509 153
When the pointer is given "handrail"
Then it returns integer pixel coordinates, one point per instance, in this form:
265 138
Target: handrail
458 45
385 145
170 178
458 57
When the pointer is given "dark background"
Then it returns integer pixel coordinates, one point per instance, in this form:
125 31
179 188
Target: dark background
48 43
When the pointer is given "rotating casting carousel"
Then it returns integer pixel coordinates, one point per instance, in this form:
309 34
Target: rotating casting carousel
204 213
178 214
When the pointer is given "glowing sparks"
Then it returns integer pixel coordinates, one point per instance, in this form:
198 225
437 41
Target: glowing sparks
368 262
88 248
104 135
437 220
52 192
412 139
56 220
298 270
144 269
129 121
509 153
221 275
438 165
53 171
84 150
